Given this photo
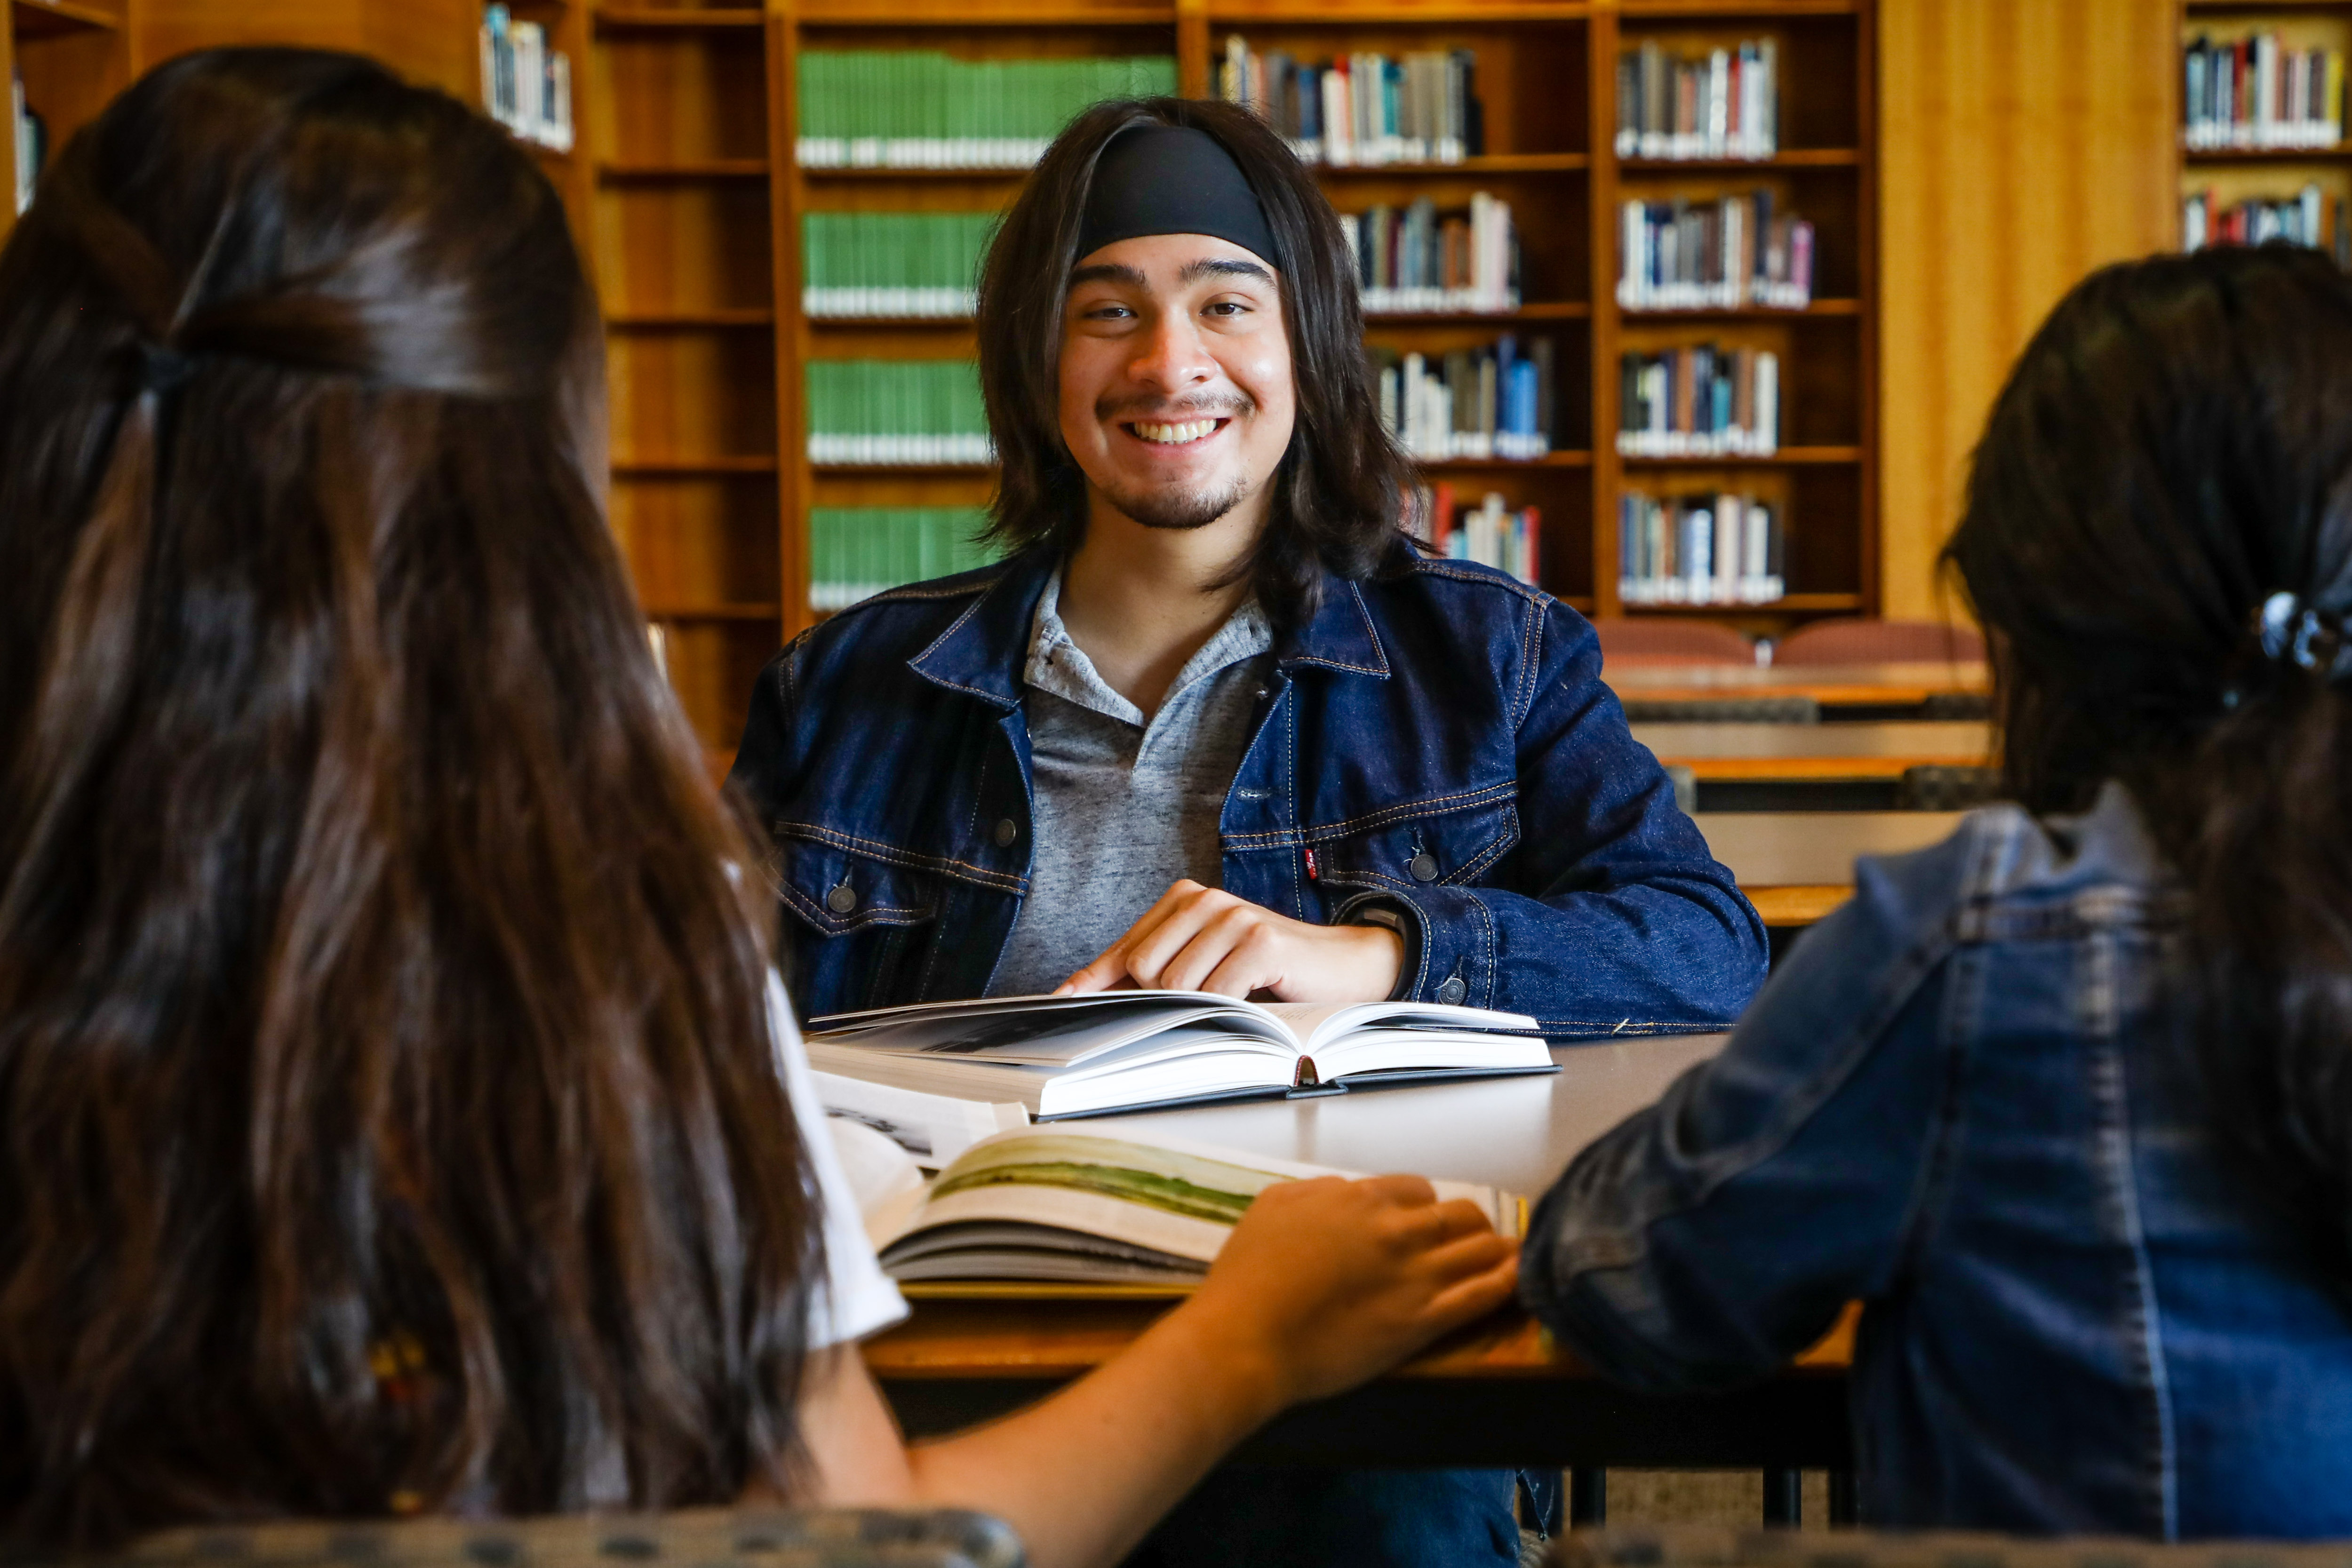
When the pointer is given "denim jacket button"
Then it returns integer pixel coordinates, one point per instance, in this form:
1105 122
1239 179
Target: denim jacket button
1423 867
1451 992
1005 833
842 899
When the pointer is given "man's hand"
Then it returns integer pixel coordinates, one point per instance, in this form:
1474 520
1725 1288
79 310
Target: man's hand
1198 938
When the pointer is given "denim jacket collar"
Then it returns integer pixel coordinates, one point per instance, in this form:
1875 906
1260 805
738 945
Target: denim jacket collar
984 651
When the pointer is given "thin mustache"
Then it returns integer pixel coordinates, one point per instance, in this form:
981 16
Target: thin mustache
1170 413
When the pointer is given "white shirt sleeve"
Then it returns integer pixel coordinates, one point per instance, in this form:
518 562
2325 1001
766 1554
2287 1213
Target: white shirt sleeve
856 1299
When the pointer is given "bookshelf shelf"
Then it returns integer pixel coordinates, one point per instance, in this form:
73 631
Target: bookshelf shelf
1241 12
1786 457
890 323
2213 186
1555 460
615 170
1009 177
1808 604
687 320
988 14
1787 158
73 56
1493 163
1541 310
1818 310
682 467
868 470
2265 154
647 19
1734 10
50 18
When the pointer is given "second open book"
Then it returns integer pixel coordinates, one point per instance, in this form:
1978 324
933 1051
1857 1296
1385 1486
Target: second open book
1120 1051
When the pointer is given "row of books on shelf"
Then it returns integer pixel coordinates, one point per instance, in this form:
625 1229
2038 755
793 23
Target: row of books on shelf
855 552
32 142
1702 400
2312 218
892 264
1491 533
1698 400
1415 259
526 86
2254 92
1724 103
918 109
1699 549
1494 401
1721 254
1364 107
896 411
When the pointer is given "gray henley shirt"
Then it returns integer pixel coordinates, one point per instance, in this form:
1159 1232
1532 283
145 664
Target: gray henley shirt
1121 807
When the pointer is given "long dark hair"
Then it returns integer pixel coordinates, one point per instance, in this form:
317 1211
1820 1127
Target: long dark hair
1340 493
2173 449
388 1119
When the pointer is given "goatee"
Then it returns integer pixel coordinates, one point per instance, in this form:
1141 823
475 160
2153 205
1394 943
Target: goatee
1178 508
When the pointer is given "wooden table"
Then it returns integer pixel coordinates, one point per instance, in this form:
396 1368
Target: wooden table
1878 687
1498 1394
1723 753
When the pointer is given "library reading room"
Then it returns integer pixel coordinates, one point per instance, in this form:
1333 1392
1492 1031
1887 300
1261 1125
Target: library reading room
1133 783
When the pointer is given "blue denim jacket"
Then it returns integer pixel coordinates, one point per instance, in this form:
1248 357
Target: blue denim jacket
1965 1101
1439 738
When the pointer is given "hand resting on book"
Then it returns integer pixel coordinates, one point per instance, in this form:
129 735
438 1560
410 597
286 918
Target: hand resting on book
1201 938
1322 1284
1332 1282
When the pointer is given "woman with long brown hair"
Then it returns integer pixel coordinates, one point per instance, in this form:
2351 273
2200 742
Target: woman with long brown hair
390 1118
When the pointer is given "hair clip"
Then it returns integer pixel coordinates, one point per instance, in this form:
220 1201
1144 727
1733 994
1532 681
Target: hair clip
2293 632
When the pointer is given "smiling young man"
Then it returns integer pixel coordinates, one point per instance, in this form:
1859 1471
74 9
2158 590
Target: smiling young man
1214 723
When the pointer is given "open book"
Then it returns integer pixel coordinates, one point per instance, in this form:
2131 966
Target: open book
1073 1207
1119 1050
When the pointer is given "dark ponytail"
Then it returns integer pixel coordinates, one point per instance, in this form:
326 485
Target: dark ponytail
2172 454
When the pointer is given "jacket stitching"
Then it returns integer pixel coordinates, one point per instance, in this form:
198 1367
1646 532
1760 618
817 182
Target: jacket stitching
2112 1140
892 856
1461 800
1454 574
870 914
1531 658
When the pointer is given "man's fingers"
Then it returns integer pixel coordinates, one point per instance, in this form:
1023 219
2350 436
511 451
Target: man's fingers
1114 962
1225 934
1153 957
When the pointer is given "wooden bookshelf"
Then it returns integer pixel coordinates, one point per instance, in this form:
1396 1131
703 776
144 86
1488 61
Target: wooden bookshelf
2238 173
687 192
74 56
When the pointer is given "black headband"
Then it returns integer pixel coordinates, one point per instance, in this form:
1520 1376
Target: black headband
1172 180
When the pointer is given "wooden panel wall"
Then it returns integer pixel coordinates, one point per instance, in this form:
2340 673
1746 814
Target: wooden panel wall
2025 142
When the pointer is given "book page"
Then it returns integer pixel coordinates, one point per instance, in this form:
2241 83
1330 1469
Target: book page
1168 1195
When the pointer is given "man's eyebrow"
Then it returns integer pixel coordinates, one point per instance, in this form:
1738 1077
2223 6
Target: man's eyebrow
1225 266
1109 272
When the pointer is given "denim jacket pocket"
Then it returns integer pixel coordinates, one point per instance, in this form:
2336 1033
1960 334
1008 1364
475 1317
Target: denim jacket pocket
1450 841
838 891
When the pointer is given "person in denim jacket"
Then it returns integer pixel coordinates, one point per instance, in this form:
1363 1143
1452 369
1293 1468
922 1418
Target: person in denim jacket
2066 1101
1214 723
